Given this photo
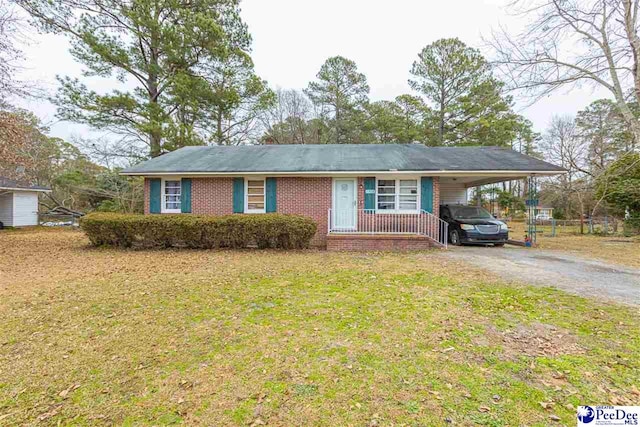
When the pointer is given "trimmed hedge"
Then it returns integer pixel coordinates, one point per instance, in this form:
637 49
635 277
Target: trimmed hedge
199 231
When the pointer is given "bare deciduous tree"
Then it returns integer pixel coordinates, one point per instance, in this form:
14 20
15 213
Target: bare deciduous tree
560 145
565 145
287 121
10 54
573 42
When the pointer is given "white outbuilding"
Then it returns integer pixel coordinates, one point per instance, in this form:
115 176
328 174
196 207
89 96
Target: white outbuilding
19 203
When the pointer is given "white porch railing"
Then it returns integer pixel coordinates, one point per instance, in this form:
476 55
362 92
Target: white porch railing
367 221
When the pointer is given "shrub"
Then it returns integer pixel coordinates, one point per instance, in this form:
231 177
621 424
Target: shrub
631 226
196 231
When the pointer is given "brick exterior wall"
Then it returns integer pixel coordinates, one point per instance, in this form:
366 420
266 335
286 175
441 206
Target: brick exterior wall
310 197
380 242
361 192
146 195
212 196
436 196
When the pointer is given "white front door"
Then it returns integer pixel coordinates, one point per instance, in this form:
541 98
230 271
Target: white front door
344 203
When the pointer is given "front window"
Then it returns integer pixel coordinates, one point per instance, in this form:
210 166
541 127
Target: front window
397 195
469 212
171 196
255 196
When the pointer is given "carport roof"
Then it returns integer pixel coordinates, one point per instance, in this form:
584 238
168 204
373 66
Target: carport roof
341 158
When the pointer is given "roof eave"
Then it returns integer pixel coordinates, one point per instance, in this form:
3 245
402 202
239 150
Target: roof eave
330 173
42 190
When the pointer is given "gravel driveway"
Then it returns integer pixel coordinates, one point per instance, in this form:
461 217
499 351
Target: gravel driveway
581 276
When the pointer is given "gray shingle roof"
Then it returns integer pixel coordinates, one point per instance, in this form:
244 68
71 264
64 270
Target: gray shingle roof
339 158
12 183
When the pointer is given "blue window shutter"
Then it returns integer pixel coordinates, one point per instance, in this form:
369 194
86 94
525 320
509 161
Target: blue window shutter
426 194
369 193
155 187
185 196
238 195
270 190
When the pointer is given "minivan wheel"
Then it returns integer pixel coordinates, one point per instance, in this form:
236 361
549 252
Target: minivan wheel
455 238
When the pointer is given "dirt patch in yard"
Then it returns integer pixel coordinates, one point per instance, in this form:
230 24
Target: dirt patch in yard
534 340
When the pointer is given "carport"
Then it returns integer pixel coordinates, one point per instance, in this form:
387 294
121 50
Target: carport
454 188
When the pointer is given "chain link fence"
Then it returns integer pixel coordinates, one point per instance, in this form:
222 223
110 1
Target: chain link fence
596 226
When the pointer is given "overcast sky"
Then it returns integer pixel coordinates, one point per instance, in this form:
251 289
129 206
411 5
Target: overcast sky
292 38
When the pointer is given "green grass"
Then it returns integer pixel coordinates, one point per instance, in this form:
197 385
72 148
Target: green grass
301 338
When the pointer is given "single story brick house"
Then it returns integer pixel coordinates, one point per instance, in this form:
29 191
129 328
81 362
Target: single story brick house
369 196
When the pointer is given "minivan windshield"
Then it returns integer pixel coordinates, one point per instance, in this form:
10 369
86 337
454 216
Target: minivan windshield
469 212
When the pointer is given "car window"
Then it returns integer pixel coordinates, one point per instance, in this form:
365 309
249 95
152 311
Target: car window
470 212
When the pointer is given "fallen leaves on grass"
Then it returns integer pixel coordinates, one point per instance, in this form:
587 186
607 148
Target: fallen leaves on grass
103 336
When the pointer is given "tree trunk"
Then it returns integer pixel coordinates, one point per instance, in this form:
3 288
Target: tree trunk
337 125
155 134
441 124
219 136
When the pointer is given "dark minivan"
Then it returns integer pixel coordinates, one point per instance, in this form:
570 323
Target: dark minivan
473 225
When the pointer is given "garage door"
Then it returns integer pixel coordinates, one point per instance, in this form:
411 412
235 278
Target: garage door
25 209
453 193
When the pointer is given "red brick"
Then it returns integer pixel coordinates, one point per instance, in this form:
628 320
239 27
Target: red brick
368 242
212 196
436 196
307 196
146 195
310 197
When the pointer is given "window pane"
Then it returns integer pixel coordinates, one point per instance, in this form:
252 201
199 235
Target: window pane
386 194
404 198
255 195
408 186
408 206
406 190
172 195
258 198
386 206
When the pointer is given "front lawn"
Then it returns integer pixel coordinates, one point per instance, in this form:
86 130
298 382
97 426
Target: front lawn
101 336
